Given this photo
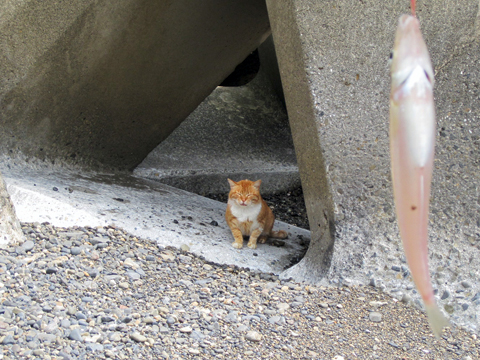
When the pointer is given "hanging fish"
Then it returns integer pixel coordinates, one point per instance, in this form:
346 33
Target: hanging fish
412 142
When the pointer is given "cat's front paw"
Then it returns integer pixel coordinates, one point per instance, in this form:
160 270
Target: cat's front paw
237 245
252 245
262 239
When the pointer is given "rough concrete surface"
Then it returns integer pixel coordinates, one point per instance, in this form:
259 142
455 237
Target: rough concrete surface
237 132
101 83
333 61
144 208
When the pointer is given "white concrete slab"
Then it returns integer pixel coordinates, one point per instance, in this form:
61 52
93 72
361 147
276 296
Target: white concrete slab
144 208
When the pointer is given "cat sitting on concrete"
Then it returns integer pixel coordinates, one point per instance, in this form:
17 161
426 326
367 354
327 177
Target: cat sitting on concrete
249 215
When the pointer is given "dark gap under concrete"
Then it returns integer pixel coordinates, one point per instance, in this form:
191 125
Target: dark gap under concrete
244 72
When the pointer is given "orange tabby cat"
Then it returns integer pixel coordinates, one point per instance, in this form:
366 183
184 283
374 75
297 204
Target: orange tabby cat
249 215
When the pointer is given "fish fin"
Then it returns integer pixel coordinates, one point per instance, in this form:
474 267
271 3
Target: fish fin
436 319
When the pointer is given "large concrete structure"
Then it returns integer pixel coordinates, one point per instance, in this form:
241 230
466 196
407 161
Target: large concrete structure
101 83
333 59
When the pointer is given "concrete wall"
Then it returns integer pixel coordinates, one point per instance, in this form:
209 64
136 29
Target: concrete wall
333 58
101 83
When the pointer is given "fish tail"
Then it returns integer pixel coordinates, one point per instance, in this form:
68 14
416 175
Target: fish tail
436 319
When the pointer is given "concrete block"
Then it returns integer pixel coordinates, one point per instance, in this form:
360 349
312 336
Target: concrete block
333 59
102 83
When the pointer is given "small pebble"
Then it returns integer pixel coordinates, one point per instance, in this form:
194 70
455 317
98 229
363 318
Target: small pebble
75 251
138 337
75 335
28 245
186 329
375 316
406 298
253 336
7 340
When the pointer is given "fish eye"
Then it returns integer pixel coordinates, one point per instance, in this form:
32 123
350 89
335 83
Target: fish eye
427 75
390 59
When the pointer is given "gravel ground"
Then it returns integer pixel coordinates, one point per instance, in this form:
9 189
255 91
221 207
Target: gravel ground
101 293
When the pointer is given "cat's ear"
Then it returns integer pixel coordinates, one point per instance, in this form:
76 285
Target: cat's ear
256 184
232 183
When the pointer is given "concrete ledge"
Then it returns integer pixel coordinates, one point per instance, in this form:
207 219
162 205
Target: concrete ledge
148 209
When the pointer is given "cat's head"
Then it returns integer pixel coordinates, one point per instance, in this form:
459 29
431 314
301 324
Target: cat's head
244 192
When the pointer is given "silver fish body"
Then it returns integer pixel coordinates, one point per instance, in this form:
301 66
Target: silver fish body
412 143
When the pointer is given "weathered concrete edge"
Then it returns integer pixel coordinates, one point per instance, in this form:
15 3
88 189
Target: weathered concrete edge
10 230
301 111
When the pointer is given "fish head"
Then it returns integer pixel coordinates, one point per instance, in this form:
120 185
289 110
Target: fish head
411 96
409 52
